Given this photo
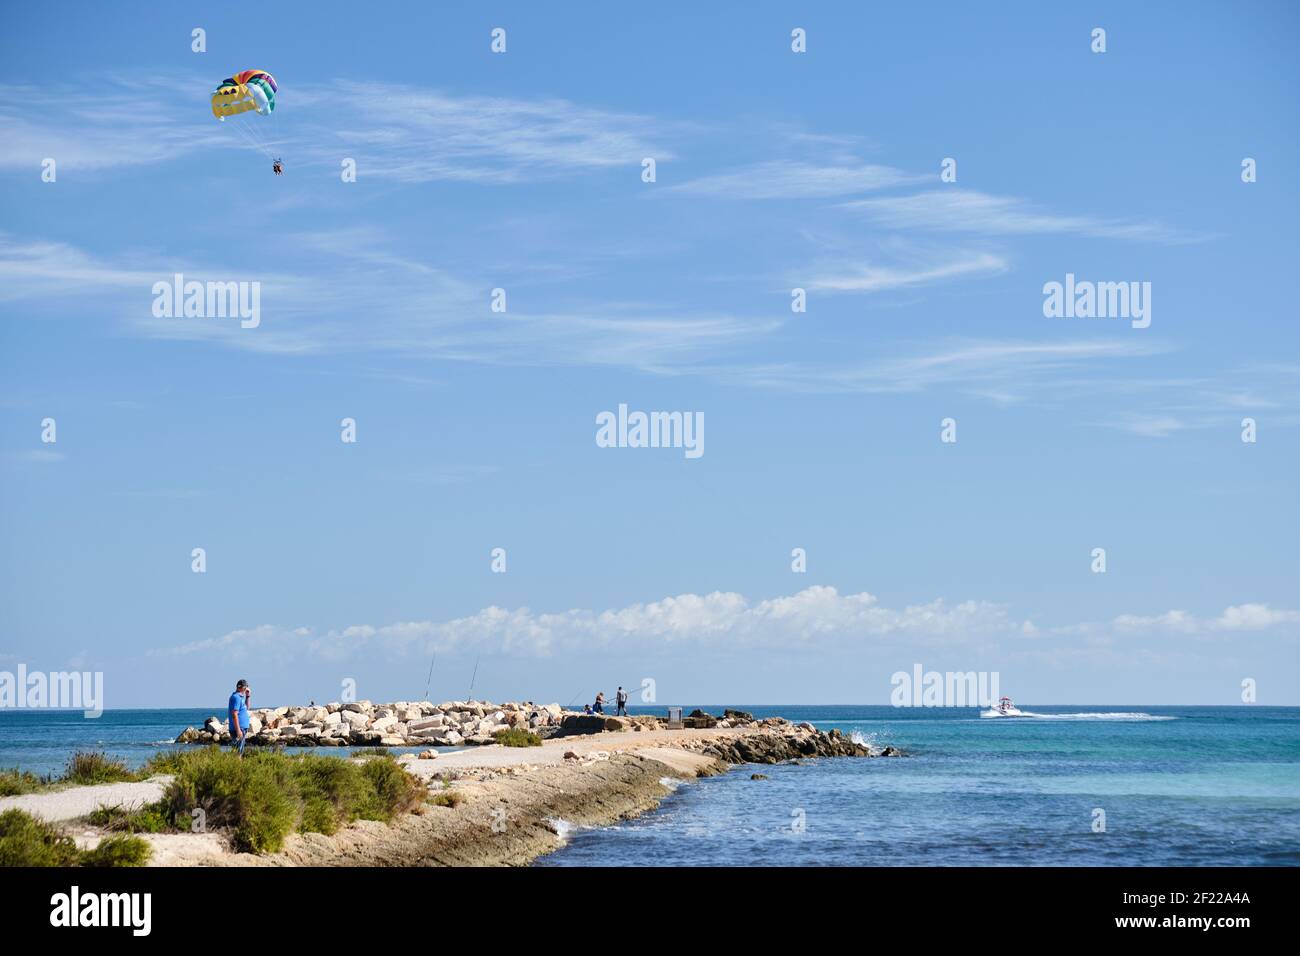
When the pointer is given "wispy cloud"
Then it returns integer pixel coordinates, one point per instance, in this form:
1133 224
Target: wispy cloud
787 179
413 134
355 293
76 127
1007 368
37 456
882 277
966 211
398 132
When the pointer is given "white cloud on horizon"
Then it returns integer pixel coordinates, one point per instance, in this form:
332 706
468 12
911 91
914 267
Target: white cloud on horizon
817 618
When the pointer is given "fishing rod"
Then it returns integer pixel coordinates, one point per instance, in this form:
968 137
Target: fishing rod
429 682
474 678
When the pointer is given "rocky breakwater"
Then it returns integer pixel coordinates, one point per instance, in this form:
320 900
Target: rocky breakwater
769 740
402 724
777 740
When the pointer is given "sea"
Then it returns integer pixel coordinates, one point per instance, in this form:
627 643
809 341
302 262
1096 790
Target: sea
1066 785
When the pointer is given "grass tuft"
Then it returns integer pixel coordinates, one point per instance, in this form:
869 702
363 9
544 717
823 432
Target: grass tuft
93 766
154 818
517 737
14 782
118 851
447 798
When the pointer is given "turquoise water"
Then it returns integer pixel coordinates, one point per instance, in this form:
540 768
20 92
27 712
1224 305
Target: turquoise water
1178 785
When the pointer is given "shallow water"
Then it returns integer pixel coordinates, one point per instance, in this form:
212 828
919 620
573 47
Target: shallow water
1178 785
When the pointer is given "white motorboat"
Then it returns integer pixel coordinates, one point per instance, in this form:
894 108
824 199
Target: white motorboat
1005 708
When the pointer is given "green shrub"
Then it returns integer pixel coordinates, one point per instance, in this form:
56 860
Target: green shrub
15 781
266 796
118 851
517 737
91 766
27 841
256 797
371 752
153 818
334 792
393 790
269 806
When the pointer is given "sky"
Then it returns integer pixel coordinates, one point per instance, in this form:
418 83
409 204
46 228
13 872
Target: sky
524 171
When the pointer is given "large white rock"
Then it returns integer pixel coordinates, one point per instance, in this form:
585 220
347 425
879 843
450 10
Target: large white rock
356 720
333 719
452 739
426 723
384 724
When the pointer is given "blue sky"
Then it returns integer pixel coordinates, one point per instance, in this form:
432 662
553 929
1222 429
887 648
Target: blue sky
775 171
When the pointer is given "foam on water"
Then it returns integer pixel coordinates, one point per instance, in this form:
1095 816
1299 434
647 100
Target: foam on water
563 829
1084 715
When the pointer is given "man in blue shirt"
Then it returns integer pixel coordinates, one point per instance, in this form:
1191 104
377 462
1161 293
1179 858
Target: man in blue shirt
237 713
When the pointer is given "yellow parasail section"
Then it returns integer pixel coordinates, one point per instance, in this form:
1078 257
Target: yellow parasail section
232 100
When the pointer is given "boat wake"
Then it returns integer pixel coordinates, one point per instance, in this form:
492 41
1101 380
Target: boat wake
1084 715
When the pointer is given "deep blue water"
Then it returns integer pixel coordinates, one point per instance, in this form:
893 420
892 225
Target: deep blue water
1180 785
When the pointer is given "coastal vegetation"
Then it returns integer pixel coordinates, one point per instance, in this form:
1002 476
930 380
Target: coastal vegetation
14 782
266 796
27 841
93 766
517 737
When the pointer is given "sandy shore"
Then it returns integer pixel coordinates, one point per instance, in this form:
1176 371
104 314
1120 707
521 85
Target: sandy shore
514 802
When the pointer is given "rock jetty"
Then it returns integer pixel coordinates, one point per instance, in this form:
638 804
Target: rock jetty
402 724
461 723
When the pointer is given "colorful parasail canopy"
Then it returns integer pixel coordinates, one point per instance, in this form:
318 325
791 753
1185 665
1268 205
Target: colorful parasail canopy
244 92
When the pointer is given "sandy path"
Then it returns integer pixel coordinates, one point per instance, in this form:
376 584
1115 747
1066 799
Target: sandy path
77 802
551 752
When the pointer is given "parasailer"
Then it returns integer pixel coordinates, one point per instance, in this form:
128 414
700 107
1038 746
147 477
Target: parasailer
246 98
